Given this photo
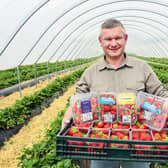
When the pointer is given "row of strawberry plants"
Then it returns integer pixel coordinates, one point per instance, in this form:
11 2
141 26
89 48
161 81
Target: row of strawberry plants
161 67
163 76
153 59
22 109
9 77
161 71
157 60
43 154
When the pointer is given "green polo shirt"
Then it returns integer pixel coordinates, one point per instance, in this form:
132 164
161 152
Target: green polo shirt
133 75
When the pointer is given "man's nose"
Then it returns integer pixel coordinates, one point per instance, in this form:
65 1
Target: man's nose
113 42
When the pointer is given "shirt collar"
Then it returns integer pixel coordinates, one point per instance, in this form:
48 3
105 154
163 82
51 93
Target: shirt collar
126 63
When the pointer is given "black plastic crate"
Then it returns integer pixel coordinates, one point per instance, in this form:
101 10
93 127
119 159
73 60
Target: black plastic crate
86 148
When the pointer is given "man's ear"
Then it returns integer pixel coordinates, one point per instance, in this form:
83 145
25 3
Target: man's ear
100 40
126 37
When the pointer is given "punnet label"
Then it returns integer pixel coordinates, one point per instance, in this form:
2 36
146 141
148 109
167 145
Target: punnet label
126 98
148 106
107 117
86 106
107 100
126 119
147 115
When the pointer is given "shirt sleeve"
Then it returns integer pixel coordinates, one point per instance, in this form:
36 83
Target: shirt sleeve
82 86
153 84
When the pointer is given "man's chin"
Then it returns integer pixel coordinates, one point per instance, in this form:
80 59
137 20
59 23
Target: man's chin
114 55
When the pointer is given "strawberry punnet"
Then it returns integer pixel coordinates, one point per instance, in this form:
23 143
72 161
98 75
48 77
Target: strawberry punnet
108 112
126 108
151 111
84 108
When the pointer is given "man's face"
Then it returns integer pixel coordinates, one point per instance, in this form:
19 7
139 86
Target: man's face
113 42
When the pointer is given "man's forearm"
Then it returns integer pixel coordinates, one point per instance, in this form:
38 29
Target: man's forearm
68 113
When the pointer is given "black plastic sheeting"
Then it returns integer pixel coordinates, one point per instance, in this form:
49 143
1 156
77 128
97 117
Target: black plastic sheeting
9 90
6 134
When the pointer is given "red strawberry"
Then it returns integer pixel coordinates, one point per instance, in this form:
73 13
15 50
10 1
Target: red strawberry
95 116
115 125
100 124
102 112
107 125
106 108
120 135
73 130
113 108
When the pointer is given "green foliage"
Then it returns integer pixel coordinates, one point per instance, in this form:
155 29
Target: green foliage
43 154
22 109
153 59
159 66
27 72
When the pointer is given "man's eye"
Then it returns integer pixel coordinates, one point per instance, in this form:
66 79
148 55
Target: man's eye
118 38
109 39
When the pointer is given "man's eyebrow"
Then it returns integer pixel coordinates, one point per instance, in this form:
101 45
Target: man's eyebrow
113 37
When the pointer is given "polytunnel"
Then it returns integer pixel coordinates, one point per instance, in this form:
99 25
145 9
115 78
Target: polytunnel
45 48
40 31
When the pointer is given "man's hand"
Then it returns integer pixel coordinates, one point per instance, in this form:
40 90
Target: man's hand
67 117
64 122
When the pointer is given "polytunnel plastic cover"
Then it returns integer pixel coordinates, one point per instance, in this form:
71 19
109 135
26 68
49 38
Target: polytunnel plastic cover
50 30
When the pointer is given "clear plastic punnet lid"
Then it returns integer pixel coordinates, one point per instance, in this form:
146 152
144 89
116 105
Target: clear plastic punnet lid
152 110
84 107
107 104
126 108
94 99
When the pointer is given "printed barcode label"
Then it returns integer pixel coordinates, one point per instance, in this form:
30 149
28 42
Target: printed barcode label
113 116
147 115
107 117
87 116
126 118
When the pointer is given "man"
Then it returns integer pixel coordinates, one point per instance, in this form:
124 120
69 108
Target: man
118 73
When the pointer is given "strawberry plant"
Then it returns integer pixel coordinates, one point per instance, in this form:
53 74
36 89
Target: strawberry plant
15 115
43 154
9 77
